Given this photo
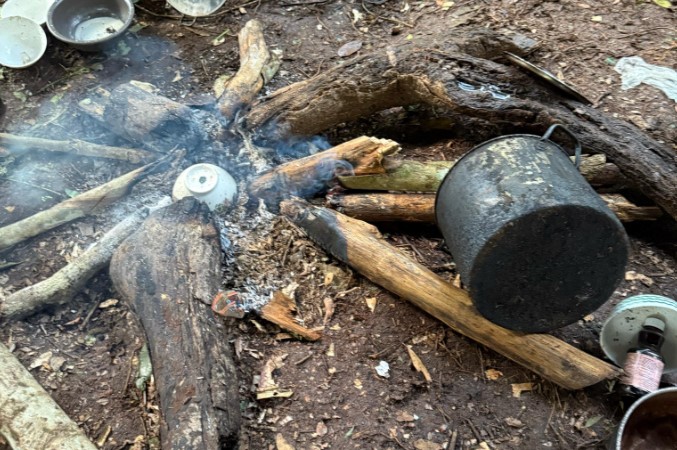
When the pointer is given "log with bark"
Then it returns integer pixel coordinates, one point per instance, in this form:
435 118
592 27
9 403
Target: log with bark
64 284
169 271
415 176
384 207
430 77
14 144
359 245
89 202
310 175
29 418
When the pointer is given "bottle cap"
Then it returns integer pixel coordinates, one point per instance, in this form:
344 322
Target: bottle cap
654 322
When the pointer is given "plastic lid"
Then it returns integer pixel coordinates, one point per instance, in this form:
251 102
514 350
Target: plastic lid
201 179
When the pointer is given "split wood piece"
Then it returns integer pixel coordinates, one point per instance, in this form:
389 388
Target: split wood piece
308 176
139 115
421 207
414 176
29 418
242 88
13 144
89 202
429 78
64 284
168 271
279 311
360 245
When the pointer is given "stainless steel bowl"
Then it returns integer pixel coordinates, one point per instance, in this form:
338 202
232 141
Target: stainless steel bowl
89 25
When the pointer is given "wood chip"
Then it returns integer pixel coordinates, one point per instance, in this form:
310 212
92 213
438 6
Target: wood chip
282 444
512 422
418 364
321 429
371 303
493 374
422 444
404 416
329 309
518 388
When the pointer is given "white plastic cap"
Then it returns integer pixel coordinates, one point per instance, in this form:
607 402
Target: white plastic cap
654 322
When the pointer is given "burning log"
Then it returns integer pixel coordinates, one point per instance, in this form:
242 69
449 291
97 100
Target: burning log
242 88
307 176
146 118
168 271
14 144
430 77
29 418
356 243
421 207
414 176
89 202
63 285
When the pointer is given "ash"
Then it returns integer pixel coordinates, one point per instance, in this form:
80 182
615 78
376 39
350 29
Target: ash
252 266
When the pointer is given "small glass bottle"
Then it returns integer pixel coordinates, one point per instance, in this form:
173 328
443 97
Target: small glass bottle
644 364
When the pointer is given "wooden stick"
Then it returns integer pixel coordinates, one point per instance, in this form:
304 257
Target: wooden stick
414 176
384 207
307 176
359 245
12 143
89 202
279 311
242 88
168 271
29 418
64 284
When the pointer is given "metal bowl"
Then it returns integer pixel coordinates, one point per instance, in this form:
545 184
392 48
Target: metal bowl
89 25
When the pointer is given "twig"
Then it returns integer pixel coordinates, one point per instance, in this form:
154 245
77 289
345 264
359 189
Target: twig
35 186
286 251
89 316
148 11
452 440
389 19
477 434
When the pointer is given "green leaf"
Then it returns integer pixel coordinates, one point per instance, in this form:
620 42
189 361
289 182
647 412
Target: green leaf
145 368
123 48
591 421
611 61
663 3
138 27
56 98
71 193
20 95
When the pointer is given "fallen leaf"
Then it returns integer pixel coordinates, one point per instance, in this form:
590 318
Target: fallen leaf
512 422
281 443
371 303
518 388
589 318
493 374
404 416
663 3
328 310
331 351
267 388
358 383
177 77
41 361
349 48
631 275
10 209
592 421
357 16
108 303
422 444
483 446
445 5
596 18
418 364
321 429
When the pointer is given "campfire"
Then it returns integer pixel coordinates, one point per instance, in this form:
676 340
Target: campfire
166 260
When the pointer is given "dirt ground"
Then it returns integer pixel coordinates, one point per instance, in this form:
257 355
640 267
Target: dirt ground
86 353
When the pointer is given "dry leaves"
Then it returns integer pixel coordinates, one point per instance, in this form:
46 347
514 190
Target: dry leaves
349 48
418 364
493 374
282 444
631 275
371 303
329 309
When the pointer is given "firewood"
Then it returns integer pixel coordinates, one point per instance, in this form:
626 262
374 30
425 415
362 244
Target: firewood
414 176
64 284
89 202
29 418
279 311
359 245
384 207
169 271
242 88
429 77
307 176
15 144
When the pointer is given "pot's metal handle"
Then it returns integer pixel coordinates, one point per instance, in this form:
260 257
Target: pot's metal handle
577 143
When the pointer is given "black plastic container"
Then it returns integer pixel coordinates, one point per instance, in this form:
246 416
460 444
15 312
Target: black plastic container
535 245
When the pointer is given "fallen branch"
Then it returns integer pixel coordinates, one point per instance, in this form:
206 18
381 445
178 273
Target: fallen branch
414 176
89 202
13 144
421 207
429 77
64 284
242 88
307 176
359 245
29 418
279 311
168 271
